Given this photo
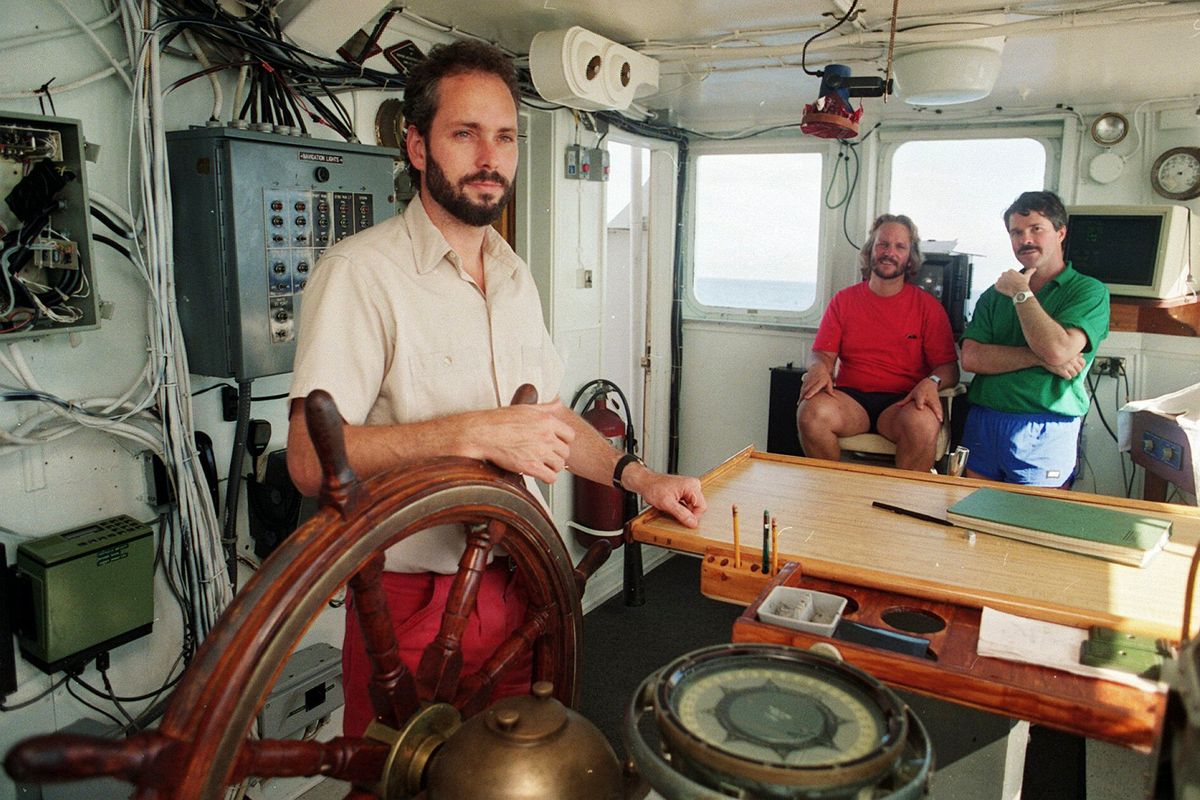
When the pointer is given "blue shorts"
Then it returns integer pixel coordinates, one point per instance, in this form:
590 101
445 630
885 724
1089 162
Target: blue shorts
1030 449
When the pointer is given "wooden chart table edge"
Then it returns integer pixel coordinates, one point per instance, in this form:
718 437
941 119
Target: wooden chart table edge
654 527
1089 707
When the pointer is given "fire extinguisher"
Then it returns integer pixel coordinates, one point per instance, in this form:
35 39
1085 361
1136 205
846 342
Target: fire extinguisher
601 506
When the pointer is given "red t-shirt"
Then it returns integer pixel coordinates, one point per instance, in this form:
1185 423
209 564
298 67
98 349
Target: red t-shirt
885 344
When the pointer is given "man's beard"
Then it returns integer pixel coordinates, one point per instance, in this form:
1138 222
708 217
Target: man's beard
876 268
454 198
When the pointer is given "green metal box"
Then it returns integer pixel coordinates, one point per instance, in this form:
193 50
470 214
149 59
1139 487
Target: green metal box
89 590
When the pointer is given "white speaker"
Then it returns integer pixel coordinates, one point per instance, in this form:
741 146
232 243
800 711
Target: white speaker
581 69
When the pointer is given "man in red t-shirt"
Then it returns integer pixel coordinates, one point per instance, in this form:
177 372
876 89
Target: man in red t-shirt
893 348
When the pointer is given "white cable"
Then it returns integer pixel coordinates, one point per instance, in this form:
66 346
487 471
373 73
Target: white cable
213 80
116 210
96 40
932 34
64 87
33 38
236 108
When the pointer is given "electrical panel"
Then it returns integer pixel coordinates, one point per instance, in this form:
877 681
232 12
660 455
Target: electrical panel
47 279
308 689
253 212
84 591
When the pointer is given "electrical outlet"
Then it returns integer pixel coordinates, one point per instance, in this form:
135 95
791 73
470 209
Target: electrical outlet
1113 366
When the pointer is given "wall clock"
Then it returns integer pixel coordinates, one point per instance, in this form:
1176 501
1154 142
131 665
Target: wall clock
1176 173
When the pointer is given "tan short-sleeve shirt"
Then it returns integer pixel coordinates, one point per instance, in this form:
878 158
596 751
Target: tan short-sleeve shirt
394 329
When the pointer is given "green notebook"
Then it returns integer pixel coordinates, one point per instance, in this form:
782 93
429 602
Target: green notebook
1121 536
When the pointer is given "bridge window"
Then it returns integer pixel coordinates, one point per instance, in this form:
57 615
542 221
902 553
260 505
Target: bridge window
757 225
957 189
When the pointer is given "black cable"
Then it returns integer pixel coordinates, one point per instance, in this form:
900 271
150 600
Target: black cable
677 313
1126 480
208 389
599 387
113 697
109 223
27 703
105 240
259 399
233 486
1096 403
818 35
95 708
166 560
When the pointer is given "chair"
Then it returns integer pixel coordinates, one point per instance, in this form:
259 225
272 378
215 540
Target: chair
874 447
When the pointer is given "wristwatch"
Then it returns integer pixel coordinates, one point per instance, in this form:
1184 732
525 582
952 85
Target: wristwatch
1021 297
936 380
623 462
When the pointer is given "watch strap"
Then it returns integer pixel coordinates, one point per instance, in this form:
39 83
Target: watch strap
937 381
623 462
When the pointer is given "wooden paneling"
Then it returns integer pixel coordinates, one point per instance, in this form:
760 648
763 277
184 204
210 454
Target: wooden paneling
1171 317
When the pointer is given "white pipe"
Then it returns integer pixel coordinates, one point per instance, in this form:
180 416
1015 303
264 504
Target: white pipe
930 35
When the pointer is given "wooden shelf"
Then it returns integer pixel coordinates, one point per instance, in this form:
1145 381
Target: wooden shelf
1180 317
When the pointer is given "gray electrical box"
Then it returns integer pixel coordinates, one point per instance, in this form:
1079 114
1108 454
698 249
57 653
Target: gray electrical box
309 688
253 212
38 153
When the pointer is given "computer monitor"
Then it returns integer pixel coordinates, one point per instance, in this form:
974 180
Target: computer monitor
947 276
1137 251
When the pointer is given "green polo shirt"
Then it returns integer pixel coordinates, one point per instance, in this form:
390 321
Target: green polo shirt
1074 301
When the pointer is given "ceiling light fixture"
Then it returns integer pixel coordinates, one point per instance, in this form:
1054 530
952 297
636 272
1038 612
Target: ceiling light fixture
1109 129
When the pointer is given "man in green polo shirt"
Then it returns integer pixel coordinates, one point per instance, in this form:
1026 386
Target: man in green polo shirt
1030 343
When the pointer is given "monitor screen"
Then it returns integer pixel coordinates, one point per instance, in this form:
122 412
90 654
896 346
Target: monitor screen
1115 249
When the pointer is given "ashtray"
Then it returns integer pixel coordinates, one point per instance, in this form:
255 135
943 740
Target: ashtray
802 609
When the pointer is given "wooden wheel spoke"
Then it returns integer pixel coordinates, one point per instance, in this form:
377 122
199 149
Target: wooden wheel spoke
340 487
144 758
359 761
441 663
592 560
392 688
477 688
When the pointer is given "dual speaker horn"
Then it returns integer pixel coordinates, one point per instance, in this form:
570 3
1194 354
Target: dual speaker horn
580 69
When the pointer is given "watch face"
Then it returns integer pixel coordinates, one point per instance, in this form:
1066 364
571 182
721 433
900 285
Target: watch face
1176 173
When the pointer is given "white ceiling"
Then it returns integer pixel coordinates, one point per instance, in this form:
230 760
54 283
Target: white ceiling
1075 53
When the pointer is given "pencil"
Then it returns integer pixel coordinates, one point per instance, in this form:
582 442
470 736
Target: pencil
737 541
774 546
766 561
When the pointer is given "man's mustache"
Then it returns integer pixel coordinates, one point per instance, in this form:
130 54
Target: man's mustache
484 175
1029 248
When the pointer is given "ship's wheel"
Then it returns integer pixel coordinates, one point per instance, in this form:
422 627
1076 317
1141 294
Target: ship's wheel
203 743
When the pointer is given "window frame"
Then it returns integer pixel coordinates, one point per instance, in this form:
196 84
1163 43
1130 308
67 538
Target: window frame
692 308
1052 134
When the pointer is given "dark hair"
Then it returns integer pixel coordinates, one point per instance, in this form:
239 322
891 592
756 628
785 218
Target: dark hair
444 61
914 251
1045 203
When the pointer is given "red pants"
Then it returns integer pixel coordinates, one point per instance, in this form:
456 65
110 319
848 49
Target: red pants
416 602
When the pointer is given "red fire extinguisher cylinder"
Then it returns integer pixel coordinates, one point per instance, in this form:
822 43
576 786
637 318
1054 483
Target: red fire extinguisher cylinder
599 506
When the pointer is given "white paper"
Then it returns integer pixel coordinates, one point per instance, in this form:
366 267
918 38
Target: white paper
1048 644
